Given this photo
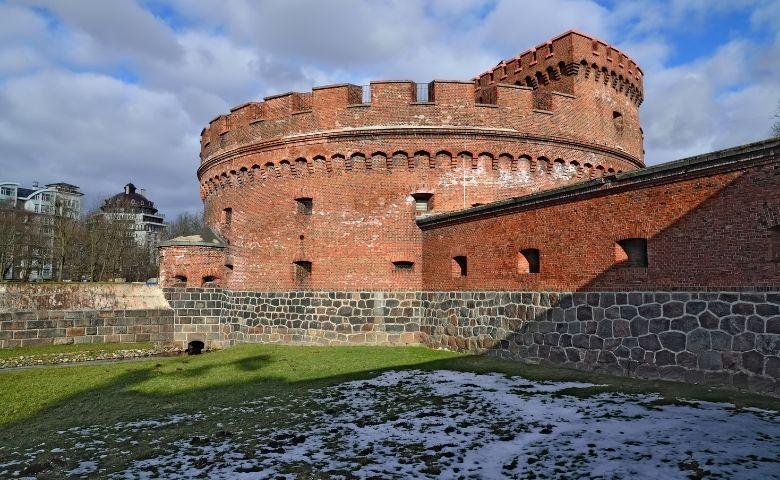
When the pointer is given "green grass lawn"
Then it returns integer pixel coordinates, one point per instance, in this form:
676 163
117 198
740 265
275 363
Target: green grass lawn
92 348
36 403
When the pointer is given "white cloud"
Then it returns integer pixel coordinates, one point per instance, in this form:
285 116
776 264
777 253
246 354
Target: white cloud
720 101
99 93
97 132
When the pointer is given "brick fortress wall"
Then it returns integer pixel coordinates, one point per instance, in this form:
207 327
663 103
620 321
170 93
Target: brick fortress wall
363 161
709 222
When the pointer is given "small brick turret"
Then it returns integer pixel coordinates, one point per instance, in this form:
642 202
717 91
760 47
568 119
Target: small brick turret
320 190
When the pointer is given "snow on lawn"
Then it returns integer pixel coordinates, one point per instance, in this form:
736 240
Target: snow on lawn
444 424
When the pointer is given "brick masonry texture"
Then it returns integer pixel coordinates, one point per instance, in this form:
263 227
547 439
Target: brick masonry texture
710 222
56 327
364 164
717 338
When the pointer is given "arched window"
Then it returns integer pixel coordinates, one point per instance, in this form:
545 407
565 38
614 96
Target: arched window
617 120
631 252
180 280
528 261
210 281
459 266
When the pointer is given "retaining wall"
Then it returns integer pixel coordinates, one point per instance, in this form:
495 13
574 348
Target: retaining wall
56 327
717 338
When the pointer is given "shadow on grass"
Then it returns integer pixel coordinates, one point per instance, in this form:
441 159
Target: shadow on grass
35 404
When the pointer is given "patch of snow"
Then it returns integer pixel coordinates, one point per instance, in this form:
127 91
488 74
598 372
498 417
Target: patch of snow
446 424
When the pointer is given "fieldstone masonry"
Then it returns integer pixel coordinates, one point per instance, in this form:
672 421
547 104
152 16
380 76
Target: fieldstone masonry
717 338
326 318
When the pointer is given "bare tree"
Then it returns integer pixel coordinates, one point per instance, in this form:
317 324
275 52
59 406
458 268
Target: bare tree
66 230
11 238
776 126
184 224
23 245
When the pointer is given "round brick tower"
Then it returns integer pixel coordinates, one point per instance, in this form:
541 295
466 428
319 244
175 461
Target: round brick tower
320 190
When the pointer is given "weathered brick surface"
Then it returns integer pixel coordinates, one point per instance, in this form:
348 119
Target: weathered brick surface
362 164
710 224
187 266
56 327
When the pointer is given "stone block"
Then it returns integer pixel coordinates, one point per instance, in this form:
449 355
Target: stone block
674 341
710 360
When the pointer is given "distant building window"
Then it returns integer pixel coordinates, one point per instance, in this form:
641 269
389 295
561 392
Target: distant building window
403 266
6 191
422 203
528 261
774 233
305 205
459 266
631 252
302 272
46 197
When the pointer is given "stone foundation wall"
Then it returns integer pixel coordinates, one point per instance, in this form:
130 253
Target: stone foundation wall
716 338
197 316
730 339
56 327
324 318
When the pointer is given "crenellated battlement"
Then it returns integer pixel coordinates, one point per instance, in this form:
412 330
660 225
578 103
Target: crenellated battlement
321 189
394 104
545 65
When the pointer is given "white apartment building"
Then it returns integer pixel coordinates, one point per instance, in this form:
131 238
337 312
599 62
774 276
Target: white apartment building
54 199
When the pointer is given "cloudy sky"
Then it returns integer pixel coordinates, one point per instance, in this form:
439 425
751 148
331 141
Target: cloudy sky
100 92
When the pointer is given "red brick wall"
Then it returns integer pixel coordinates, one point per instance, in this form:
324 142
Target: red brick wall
362 163
710 231
193 262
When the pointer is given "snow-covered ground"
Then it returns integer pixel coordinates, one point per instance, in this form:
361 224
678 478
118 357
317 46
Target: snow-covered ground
444 424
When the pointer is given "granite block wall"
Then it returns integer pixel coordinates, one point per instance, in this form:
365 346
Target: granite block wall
324 318
25 328
728 339
197 316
